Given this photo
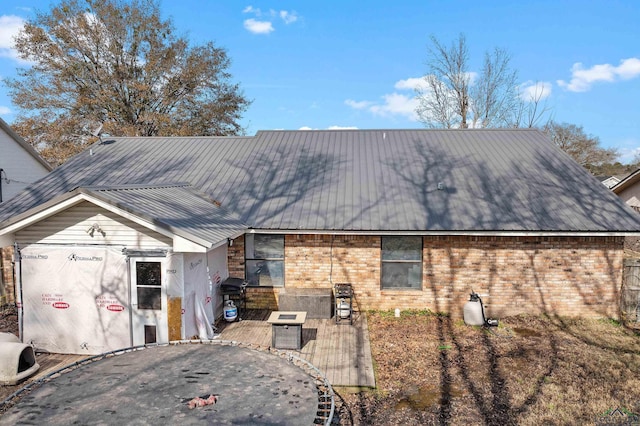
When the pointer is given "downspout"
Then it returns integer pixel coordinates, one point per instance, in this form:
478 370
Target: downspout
1 172
17 267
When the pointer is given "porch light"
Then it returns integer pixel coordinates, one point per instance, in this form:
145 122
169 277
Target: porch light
95 228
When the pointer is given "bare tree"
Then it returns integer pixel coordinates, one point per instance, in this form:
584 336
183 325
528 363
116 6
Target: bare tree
585 149
531 107
445 100
455 97
118 63
494 95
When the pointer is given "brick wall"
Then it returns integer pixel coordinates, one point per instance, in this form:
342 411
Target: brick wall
573 276
6 279
235 258
578 276
323 260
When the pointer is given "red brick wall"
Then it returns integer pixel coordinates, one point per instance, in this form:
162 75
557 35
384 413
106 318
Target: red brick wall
573 276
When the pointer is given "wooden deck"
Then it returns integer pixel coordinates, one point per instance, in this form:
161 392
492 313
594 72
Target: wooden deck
340 351
50 363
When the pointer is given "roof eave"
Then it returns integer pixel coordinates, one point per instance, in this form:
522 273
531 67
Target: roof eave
477 233
78 195
626 182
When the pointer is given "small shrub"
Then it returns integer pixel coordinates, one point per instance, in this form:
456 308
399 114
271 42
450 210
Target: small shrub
611 321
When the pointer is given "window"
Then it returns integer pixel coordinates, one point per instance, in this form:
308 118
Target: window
401 262
148 285
264 256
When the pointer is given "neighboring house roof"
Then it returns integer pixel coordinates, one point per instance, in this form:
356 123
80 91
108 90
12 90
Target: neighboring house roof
608 181
361 180
628 181
27 147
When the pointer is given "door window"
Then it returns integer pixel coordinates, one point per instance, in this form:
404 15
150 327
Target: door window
148 285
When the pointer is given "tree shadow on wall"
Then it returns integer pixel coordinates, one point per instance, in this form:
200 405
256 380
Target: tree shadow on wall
517 200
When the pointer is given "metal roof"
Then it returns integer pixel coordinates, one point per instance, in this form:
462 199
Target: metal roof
360 180
178 208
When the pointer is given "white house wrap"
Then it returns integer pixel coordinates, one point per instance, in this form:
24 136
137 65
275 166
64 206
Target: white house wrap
75 299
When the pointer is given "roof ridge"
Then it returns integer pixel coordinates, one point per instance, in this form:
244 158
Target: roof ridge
132 186
108 137
502 129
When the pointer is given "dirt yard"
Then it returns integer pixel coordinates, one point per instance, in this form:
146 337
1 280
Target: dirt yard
527 371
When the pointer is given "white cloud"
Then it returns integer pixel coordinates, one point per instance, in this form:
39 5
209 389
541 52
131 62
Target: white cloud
258 27
534 91
288 17
393 104
330 128
628 150
265 24
10 26
397 104
358 104
629 68
411 83
4 110
582 78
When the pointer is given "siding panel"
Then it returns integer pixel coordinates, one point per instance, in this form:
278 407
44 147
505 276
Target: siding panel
71 225
20 167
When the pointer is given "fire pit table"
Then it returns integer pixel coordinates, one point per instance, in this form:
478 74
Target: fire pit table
286 329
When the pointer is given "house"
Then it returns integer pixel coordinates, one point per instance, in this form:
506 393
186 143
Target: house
20 165
127 242
629 190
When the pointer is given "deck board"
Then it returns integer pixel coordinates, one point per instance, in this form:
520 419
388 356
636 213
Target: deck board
341 351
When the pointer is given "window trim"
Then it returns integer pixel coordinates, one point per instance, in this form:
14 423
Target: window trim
419 262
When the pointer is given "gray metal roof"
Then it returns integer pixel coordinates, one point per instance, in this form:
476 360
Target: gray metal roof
361 180
177 208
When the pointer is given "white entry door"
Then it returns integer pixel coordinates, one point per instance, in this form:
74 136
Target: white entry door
148 301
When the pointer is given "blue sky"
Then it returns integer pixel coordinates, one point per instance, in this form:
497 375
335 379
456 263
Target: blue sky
353 64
